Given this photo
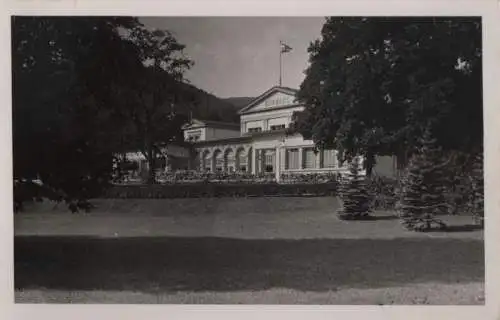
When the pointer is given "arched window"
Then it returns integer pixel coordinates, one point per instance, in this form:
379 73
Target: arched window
230 160
207 161
242 157
219 160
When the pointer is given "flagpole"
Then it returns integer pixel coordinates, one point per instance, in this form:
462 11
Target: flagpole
281 52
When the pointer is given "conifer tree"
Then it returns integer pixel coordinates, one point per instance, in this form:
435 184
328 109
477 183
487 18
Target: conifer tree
354 195
422 194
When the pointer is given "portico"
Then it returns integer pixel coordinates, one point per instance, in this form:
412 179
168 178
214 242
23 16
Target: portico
262 154
261 144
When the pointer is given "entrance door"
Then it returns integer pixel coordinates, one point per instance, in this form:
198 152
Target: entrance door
268 161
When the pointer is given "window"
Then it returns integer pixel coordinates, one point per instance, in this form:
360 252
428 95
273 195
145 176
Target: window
194 135
194 138
257 129
219 161
242 160
309 158
219 164
230 160
269 162
329 159
277 127
292 159
266 160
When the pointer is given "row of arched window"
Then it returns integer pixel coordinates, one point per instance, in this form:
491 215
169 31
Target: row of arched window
226 161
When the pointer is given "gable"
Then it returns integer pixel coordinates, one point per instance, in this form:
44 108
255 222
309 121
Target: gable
276 97
194 124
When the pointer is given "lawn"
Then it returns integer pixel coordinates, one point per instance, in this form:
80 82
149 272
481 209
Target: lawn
256 250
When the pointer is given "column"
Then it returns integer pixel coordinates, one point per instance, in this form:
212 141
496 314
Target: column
301 161
258 161
277 158
202 160
212 161
254 161
262 161
282 158
225 167
318 159
249 155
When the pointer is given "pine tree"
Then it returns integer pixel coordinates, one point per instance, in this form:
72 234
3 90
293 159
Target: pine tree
422 194
354 195
477 199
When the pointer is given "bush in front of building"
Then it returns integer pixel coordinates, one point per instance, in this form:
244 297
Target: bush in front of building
354 195
204 190
192 176
320 177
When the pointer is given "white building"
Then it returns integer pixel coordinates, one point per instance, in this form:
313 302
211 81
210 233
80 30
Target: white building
260 143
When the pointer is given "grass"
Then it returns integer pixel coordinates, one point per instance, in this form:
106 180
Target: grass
262 250
252 218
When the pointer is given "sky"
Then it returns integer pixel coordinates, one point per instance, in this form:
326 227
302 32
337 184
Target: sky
239 56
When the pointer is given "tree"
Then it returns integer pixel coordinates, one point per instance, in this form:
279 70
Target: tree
422 194
374 83
477 196
354 195
158 103
62 72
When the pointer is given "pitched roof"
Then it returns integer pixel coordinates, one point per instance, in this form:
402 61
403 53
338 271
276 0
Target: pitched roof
260 98
209 123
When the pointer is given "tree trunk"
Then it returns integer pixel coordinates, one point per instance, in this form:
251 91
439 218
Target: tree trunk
151 165
369 163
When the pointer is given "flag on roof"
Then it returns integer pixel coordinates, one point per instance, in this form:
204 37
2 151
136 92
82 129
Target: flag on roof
285 48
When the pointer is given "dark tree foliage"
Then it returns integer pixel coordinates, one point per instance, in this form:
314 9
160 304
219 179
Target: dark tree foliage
422 194
63 70
155 110
84 90
354 195
373 83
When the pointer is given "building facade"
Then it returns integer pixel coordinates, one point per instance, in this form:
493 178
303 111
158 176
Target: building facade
260 143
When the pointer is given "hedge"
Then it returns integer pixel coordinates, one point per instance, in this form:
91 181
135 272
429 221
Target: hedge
200 190
190 176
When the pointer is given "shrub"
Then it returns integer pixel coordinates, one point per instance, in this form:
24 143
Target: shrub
297 177
191 176
355 199
197 190
383 191
422 188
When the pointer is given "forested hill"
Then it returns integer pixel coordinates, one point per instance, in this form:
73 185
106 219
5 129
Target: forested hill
239 102
210 107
